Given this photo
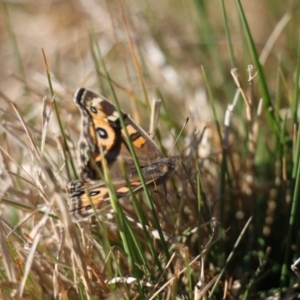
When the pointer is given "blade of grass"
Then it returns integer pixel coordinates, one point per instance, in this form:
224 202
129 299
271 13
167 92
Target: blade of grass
223 171
262 80
150 203
207 40
61 128
96 59
295 108
292 221
15 46
131 245
134 57
230 256
228 38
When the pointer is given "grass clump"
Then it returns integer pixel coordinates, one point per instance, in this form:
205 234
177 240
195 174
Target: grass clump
225 224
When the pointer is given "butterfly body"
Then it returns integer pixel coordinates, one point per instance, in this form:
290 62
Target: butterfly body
104 139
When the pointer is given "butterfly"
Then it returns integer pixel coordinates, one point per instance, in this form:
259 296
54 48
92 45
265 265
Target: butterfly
103 144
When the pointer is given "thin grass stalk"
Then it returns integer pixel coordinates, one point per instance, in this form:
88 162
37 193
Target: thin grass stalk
93 47
145 188
33 148
274 36
15 46
45 121
188 273
212 103
199 199
164 115
230 256
179 273
252 280
292 222
224 170
228 38
61 128
277 103
138 250
125 64
116 206
121 220
146 192
295 109
32 252
283 138
142 221
206 35
8 271
134 58
125 229
295 258
104 240
118 44
135 253
262 80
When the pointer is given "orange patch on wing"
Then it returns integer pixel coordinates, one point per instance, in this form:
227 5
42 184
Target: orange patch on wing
87 203
166 168
96 157
139 142
130 129
135 183
123 189
96 200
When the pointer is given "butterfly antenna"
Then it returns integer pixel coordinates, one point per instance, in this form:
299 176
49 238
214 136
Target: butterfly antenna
185 123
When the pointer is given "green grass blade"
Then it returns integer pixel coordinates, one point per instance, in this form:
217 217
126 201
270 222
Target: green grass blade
261 77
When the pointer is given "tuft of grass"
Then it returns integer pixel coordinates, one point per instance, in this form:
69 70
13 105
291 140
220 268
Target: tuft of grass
227 225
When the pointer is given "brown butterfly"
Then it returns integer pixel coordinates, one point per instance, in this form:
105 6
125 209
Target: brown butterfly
104 139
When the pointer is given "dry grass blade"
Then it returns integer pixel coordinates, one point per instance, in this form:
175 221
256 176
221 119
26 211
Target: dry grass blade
155 107
55 277
23 221
72 238
6 160
7 258
134 56
39 228
33 147
46 119
15 134
201 291
169 242
274 36
173 278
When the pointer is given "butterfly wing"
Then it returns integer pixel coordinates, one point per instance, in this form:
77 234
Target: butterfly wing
88 197
103 137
